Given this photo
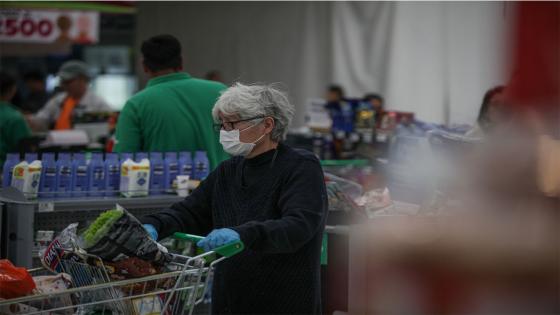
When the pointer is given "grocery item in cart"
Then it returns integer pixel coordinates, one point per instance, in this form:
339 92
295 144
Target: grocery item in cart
62 247
52 285
14 281
131 267
116 235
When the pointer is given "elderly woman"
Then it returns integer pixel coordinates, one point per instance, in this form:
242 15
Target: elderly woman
268 195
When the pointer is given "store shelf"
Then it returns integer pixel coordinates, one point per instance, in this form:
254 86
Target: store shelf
24 217
359 162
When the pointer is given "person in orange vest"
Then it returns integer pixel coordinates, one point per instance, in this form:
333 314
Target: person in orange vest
76 97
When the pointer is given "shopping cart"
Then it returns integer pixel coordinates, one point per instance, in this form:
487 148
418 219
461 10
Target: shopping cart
175 291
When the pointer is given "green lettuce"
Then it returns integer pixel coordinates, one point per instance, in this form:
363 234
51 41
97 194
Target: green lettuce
100 227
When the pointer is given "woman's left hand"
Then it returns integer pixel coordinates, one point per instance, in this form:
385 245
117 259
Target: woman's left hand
218 238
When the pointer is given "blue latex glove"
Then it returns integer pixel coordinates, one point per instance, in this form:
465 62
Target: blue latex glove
218 238
151 230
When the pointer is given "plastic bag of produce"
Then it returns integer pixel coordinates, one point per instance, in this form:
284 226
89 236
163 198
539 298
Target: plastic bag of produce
116 235
14 281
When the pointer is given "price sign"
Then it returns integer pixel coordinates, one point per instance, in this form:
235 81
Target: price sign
48 26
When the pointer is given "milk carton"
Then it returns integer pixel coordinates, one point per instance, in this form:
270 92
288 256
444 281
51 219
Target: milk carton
135 178
26 177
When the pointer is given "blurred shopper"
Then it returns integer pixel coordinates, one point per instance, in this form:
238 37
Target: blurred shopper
270 196
491 112
341 111
378 104
35 94
13 128
335 94
174 111
60 110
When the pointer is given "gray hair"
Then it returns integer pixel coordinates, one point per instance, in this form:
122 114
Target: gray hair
247 101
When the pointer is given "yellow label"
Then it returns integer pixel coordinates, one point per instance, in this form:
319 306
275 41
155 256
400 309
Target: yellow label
140 168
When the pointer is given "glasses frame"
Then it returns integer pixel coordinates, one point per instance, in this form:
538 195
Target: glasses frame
220 126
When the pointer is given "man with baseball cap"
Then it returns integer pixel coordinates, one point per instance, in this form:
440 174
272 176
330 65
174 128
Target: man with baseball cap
59 111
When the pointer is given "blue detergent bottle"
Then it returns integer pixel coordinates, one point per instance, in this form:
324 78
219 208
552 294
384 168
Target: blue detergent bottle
157 176
47 187
97 175
185 164
139 156
201 165
30 157
80 182
64 175
112 174
171 170
12 159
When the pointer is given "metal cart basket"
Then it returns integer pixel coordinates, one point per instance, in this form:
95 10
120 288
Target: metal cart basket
175 291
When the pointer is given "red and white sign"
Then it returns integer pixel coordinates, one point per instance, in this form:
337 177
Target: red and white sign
48 26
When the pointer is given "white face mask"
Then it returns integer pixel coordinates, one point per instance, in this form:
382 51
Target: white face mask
232 145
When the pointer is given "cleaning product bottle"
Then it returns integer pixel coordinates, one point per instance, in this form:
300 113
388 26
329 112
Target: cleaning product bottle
12 159
140 156
112 174
64 173
201 165
157 176
49 176
97 175
171 170
30 157
80 181
185 164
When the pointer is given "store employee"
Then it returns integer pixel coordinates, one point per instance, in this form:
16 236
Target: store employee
270 196
60 110
173 113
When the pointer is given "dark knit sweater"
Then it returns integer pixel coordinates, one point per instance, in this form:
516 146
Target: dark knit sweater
278 205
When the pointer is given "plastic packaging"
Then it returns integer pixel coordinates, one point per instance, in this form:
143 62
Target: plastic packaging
157 173
14 281
27 177
117 235
65 241
185 164
201 165
12 160
97 175
135 178
47 188
112 174
171 170
64 173
80 181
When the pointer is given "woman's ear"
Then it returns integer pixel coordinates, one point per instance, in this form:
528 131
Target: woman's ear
268 124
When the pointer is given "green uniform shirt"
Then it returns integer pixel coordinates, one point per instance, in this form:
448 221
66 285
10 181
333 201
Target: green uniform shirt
13 129
173 113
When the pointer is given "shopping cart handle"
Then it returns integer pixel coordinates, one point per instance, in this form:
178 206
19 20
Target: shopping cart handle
227 250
